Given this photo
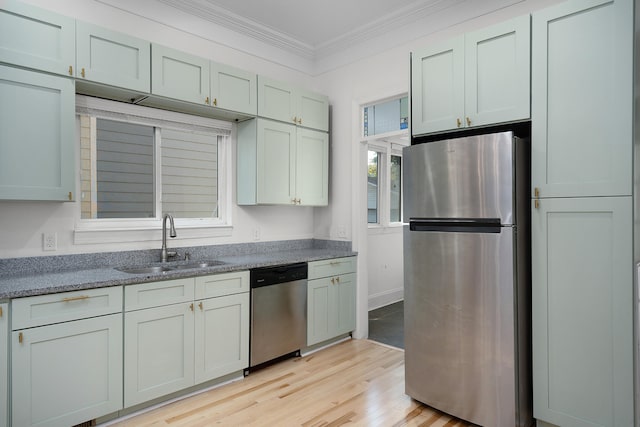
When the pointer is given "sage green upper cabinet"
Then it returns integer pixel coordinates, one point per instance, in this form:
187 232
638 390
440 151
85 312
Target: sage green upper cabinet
582 300
476 79
178 75
283 102
233 89
582 85
37 136
112 58
280 164
35 38
4 363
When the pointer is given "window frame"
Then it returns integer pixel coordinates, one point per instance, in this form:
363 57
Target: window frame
385 150
122 230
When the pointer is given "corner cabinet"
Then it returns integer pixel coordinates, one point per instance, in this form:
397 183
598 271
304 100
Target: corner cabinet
582 214
286 103
476 79
4 364
36 38
72 339
112 58
281 164
37 143
331 299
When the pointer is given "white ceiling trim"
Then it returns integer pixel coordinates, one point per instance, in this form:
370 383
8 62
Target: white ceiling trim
243 25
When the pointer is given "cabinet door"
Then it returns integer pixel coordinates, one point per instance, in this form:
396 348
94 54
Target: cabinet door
276 100
497 73
4 366
312 110
158 352
233 89
221 336
35 38
582 98
276 157
346 303
112 58
312 168
37 143
321 310
582 306
178 75
67 373
437 87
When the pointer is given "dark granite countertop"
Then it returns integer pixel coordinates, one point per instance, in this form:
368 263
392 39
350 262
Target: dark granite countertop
18 280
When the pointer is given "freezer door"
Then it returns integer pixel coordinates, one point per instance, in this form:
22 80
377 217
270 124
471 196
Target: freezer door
459 323
469 177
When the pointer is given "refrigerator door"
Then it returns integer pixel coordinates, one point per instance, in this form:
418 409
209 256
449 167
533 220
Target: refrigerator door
470 177
459 320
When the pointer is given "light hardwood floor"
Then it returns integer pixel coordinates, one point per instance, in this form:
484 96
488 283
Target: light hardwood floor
357 382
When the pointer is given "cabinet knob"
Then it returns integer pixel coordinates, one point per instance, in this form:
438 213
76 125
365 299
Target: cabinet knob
468 121
458 122
333 281
295 120
71 70
191 306
536 192
300 121
206 101
298 201
70 195
82 73
215 102
20 338
338 279
200 305
536 203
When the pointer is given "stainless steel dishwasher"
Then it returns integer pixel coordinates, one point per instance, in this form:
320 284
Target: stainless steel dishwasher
278 312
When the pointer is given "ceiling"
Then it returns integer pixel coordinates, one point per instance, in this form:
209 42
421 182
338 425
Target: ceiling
311 36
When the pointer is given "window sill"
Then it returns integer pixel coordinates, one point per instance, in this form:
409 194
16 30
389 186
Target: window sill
85 236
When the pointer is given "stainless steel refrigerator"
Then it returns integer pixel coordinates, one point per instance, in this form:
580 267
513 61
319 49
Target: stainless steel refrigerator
467 278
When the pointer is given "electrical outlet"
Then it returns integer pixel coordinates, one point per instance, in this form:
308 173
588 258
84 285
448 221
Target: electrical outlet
342 232
256 233
49 241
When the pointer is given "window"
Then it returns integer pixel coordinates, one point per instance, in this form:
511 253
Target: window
384 117
139 163
385 133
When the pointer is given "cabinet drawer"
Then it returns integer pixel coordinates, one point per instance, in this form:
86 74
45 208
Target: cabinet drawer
222 284
155 294
54 308
332 267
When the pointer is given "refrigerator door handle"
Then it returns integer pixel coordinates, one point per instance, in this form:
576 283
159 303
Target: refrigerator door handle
460 225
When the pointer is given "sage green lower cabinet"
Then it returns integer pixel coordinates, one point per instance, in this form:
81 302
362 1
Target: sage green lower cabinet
221 336
331 299
37 148
4 364
158 344
172 342
582 303
67 373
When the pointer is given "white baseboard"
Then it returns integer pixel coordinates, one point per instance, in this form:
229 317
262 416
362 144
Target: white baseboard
385 298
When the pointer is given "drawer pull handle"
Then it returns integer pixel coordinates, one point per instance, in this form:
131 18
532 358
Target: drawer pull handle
334 263
20 338
78 298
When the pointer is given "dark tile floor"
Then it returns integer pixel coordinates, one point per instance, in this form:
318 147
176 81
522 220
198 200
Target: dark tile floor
386 324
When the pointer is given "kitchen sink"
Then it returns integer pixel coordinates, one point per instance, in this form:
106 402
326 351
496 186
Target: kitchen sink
199 264
156 269
161 269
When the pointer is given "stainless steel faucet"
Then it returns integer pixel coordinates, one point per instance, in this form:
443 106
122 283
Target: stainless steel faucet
164 254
